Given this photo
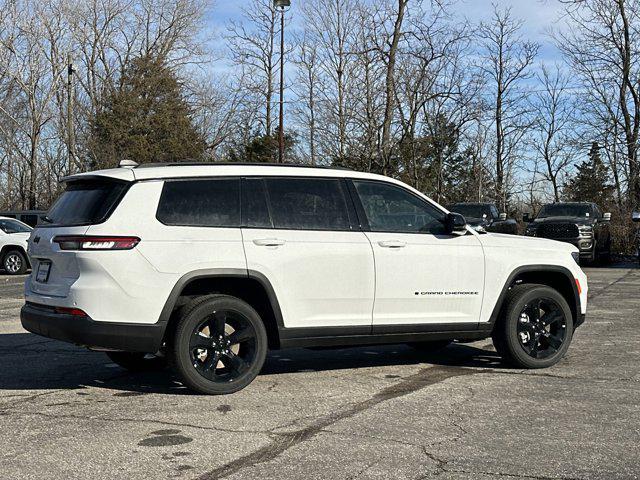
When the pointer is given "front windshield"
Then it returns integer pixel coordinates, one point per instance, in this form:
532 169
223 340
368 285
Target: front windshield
13 226
565 210
471 211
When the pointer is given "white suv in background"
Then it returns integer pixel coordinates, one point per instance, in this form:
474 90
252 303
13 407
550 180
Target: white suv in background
13 246
211 265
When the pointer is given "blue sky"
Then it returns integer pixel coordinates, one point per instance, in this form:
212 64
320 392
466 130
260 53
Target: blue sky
539 17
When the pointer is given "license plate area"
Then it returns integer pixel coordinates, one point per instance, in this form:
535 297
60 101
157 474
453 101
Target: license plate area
44 268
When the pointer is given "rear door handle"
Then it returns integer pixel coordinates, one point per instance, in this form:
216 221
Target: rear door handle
269 242
392 244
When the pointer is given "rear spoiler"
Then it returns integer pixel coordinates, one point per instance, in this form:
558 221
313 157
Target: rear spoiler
94 178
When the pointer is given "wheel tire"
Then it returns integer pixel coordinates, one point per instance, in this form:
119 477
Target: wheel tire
14 262
241 361
138 362
430 345
506 337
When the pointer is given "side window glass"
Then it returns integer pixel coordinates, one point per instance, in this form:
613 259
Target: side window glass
307 203
392 209
200 203
255 210
494 212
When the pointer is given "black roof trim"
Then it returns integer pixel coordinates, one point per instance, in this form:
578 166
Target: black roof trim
238 164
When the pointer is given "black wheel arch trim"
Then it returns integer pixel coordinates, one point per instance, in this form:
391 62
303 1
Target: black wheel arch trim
180 285
579 317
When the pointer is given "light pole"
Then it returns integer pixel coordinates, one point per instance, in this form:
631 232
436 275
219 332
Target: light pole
283 5
70 135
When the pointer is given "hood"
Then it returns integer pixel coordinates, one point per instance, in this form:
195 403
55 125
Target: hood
573 220
474 221
503 240
21 236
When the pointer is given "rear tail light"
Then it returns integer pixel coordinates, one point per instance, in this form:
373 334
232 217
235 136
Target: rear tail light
86 242
76 312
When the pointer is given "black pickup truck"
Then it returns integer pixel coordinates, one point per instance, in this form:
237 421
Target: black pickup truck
485 217
581 223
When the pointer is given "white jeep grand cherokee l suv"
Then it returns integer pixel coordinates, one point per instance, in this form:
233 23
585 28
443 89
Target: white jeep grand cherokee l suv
210 265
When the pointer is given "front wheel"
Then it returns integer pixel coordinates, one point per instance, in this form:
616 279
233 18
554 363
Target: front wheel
220 345
536 327
14 262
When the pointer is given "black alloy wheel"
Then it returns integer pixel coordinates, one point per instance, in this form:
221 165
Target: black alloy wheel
542 328
223 346
219 345
535 327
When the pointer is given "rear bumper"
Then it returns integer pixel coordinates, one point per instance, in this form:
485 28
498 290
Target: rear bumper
84 331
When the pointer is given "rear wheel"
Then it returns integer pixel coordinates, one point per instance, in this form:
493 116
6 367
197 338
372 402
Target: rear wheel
536 327
138 362
14 262
219 345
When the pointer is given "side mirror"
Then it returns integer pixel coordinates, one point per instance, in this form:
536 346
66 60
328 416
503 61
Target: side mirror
635 217
503 217
606 217
526 217
455 224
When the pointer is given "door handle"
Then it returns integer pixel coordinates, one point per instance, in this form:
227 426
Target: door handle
392 244
269 242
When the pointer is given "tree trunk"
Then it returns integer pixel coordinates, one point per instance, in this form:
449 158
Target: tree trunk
390 87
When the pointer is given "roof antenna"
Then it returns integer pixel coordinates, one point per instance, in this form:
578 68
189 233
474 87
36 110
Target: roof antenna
127 164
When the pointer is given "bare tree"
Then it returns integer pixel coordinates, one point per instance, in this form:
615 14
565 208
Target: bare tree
307 80
555 125
329 24
507 59
601 45
253 49
390 55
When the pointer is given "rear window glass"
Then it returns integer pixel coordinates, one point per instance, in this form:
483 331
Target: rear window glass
200 203
308 203
86 202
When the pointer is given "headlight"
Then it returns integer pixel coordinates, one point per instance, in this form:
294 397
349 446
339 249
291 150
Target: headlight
576 257
586 229
530 231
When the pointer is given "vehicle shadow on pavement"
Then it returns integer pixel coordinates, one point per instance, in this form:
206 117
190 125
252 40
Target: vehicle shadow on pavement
30 362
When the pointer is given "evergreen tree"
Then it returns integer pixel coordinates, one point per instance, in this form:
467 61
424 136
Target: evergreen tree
435 164
591 181
264 149
147 119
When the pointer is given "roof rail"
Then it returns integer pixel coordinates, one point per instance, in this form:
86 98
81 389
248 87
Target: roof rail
238 164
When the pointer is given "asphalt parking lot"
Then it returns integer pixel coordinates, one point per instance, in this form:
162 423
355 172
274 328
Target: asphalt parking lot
382 412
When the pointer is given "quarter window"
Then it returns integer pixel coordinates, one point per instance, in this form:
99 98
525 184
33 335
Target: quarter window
201 203
307 203
392 209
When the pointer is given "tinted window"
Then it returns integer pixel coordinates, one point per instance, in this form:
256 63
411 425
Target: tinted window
494 212
255 211
471 210
201 203
13 226
310 204
392 209
29 219
86 202
566 210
